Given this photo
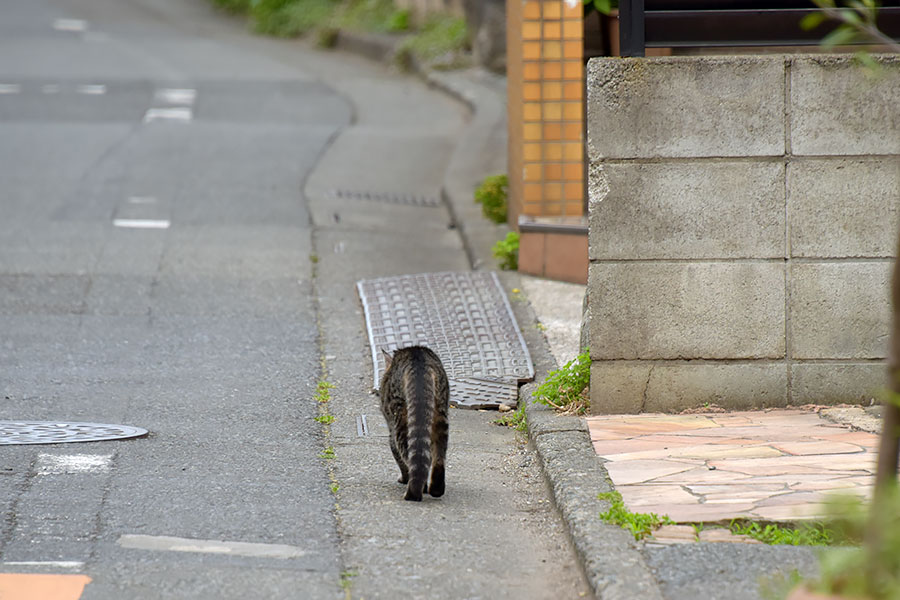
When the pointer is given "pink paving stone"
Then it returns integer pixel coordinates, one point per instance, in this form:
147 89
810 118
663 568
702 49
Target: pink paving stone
700 513
863 438
609 447
712 451
675 534
737 497
792 498
701 475
723 535
825 485
789 512
637 471
737 488
817 448
644 494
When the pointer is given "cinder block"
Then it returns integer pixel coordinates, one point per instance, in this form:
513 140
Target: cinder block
685 107
618 387
840 310
831 383
690 210
838 108
844 208
680 310
633 387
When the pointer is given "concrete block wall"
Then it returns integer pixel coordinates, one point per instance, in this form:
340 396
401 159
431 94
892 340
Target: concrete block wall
743 219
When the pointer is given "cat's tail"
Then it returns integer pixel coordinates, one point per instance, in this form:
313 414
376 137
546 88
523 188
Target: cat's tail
419 408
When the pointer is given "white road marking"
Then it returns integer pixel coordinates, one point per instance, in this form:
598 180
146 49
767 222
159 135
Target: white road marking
58 464
69 25
50 88
92 90
56 564
169 114
141 200
142 223
177 544
10 88
176 95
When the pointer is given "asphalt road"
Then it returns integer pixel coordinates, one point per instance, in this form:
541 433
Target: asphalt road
165 180
197 325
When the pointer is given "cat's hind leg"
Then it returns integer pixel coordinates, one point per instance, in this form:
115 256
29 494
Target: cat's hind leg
440 438
404 469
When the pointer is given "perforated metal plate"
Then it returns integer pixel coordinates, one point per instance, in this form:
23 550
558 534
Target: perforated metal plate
464 317
388 198
52 432
483 393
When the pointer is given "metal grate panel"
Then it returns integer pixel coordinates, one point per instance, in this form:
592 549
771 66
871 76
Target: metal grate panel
464 317
388 197
51 432
483 393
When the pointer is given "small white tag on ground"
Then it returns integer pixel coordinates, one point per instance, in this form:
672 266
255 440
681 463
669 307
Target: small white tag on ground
142 223
70 25
176 95
58 464
141 200
181 114
91 90
10 88
177 544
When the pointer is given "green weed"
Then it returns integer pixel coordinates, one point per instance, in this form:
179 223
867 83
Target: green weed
323 391
371 15
492 194
290 18
441 37
640 524
328 454
805 534
516 419
334 488
566 389
325 419
507 251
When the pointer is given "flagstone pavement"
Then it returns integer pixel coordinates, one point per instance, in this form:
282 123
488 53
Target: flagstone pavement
771 465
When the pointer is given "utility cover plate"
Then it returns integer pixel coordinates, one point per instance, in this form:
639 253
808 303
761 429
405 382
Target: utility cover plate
54 432
464 317
483 393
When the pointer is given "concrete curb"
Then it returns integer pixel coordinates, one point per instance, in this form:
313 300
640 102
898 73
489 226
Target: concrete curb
610 557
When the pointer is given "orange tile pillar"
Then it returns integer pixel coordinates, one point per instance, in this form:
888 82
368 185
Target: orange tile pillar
545 75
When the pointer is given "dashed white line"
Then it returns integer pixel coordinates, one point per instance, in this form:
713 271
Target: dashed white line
176 95
70 25
10 88
181 114
91 89
141 200
58 464
176 544
57 564
142 223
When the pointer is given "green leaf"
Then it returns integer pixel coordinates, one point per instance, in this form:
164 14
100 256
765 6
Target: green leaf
812 20
840 36
604 6
850 16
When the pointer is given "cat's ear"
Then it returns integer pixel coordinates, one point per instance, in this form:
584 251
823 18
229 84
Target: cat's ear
388 357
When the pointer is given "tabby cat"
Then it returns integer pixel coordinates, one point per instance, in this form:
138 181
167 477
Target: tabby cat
415 397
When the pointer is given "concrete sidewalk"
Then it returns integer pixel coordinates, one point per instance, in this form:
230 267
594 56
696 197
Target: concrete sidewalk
787 458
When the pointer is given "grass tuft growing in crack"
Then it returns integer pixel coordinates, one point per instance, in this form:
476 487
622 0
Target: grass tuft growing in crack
516 419
641 525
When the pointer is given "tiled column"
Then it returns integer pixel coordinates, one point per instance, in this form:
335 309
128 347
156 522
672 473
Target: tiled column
552 93
545 47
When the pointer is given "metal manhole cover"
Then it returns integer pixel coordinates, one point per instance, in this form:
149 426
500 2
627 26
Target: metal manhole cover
52 432
388 197
483 393
464 317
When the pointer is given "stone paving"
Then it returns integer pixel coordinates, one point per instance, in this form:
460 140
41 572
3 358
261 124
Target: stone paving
771 465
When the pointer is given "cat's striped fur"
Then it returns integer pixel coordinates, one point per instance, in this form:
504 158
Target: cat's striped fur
415 399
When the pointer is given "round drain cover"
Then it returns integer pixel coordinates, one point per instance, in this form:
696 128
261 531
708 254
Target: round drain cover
52 432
